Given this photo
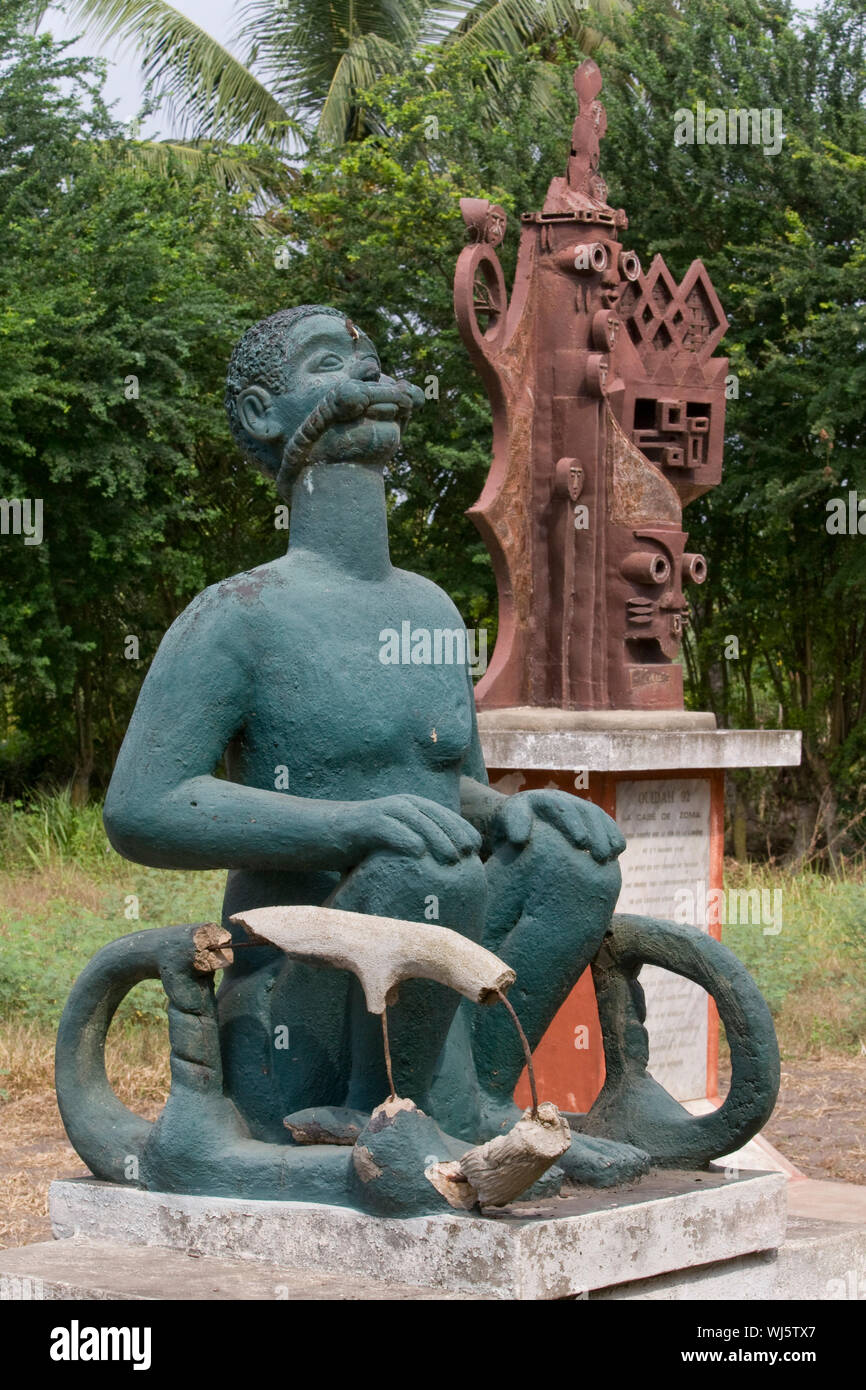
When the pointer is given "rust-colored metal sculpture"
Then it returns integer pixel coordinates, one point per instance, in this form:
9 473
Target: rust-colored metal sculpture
608 416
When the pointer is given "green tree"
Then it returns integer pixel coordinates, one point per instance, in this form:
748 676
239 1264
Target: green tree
782 236
122 294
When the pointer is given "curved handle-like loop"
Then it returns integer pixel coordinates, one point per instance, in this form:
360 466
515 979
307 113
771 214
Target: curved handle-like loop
634 1108
487 296
107 1135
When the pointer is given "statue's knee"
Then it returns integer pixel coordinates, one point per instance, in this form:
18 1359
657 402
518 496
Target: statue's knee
418 889
554 866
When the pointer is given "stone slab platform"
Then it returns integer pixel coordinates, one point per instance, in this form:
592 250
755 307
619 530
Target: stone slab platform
564 1247
823 1257
544 745
104 1271
819 1261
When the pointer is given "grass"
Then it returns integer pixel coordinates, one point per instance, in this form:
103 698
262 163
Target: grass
54 920
136 1060
64 893
34 1151
813 971
49 831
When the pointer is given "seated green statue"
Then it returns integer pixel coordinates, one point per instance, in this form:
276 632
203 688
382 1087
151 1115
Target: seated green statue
356 784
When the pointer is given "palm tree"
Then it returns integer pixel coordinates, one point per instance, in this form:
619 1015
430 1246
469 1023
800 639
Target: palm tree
296 66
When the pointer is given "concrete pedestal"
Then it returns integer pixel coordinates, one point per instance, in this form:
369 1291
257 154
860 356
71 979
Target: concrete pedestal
560 1248
661 776
119 1244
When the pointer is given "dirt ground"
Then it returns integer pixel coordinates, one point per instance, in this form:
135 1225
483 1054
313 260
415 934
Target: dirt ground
819 1124
820 1121
34 1151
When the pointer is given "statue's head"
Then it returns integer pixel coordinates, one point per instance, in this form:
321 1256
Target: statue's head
306 386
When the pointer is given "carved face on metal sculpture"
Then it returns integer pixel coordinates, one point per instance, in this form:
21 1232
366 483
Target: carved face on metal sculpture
608 416
484 221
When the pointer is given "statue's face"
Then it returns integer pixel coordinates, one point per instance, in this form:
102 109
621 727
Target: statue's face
656 609
323 352
496 225
603 267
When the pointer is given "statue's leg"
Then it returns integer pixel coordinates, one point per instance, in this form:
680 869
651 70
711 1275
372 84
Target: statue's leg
549 907
296 1036
284 1027
388 884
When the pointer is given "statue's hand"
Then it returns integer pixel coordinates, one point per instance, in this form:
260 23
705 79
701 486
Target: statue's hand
409 824
584 825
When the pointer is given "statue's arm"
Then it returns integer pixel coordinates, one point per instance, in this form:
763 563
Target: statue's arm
165 807
478 801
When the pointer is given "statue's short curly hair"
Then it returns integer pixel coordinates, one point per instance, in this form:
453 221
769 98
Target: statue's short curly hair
260 359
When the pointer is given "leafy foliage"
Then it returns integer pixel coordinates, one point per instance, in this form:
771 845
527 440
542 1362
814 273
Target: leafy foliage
109 271
317 60
122 294
782 237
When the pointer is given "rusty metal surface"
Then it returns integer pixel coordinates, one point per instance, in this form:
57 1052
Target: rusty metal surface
608 417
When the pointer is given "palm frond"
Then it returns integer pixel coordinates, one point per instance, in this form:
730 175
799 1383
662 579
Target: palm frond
234 168
207 87
303 51
365 60
442 19
39 11
510 25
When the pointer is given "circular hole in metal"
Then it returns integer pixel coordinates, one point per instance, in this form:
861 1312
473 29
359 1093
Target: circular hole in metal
698 569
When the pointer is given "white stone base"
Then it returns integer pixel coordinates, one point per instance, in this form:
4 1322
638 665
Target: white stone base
564 1247
566 740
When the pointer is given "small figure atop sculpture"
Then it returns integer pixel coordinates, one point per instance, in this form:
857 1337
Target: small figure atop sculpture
608 417
381 897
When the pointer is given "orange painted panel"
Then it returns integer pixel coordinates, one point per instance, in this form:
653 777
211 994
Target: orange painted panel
569 1060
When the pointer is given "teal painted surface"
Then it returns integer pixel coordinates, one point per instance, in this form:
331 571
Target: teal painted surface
360 785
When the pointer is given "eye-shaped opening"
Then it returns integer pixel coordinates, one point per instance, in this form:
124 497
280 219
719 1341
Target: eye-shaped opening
694 568
629 265
325 362
647 567
590 257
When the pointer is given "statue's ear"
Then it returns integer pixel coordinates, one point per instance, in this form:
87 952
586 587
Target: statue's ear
255 412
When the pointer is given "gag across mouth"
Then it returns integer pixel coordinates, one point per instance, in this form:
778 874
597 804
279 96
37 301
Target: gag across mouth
347 401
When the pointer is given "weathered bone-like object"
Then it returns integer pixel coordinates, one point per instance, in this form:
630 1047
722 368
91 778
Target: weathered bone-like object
381 951
213 948
496 1172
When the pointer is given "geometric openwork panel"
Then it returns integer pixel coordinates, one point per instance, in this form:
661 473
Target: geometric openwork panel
666 321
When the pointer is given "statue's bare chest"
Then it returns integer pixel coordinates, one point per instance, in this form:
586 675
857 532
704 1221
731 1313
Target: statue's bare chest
358 679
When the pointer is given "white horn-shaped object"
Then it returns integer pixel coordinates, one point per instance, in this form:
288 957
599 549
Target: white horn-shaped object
381 951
